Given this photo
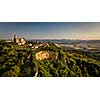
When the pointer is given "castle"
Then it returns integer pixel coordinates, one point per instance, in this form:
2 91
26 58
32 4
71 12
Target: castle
19 41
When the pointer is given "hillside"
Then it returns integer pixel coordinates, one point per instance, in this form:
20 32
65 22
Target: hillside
46 60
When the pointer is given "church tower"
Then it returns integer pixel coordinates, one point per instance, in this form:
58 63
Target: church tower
15 38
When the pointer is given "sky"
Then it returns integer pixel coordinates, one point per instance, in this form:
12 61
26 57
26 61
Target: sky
51 30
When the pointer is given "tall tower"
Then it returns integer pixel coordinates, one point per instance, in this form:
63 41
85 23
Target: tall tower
14 38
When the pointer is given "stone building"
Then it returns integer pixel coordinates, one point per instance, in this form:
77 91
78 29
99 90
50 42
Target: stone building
19 41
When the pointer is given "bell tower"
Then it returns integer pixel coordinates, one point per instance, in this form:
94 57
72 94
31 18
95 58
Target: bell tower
14 38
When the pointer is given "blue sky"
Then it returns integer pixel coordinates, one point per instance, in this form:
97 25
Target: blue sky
50 30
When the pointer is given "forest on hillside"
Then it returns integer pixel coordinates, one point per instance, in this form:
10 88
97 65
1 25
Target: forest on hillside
20 61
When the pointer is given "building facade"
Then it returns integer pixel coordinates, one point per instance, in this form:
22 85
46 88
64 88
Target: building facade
19 41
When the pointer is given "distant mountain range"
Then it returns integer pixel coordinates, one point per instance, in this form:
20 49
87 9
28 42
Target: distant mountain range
64 41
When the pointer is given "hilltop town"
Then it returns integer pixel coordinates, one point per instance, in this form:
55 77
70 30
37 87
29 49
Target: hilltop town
21 57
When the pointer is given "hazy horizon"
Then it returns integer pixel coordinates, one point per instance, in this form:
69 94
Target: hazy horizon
51 30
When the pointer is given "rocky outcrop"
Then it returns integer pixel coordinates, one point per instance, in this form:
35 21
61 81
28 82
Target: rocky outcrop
46 55
42 55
